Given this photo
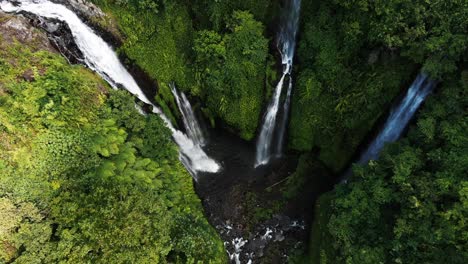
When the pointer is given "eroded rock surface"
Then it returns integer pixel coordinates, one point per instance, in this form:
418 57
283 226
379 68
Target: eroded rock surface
18 28
84 7
95 17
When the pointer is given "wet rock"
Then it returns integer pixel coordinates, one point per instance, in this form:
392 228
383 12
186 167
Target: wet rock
92 15
54 36
373 57
59 35
85 8
279 237
17 28
28 75
52 27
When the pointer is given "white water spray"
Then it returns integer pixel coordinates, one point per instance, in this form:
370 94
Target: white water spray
191 124
100 57
286 45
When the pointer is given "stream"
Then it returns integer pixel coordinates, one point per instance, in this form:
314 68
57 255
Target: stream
233 178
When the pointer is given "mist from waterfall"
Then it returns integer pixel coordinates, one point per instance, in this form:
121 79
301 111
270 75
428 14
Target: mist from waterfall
191 124
286 44
101 58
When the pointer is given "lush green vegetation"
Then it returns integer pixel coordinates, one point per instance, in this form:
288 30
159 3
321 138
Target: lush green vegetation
231 69
215 50
411 205
355 56
84 177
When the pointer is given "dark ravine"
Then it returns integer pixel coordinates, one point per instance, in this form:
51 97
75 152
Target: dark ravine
264 213
231 202
238 177
234 197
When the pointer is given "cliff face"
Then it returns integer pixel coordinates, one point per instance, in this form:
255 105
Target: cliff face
17 28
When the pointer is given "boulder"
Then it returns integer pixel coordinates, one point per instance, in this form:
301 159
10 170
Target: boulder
18 28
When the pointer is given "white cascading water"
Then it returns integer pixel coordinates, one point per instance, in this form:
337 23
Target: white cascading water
286 46
100 57
399 117
266 134
192 127
284 121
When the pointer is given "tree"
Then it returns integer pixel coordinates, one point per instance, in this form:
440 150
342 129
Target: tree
87 178
409 206
232 70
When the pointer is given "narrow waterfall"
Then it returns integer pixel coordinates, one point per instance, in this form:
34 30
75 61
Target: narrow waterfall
286 45
100 57
266 135
284 121
400 116
191 124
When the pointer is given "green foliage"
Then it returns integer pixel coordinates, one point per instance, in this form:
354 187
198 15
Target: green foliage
355 56
87 179
432 33
337 81
322 247
212 14
231 70
159 42
225 67
410 205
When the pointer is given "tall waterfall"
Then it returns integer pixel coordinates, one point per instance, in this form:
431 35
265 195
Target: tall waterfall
284 121
192 127
400 116
100 57
286 45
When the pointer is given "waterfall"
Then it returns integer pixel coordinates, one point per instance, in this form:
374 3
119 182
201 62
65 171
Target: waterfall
266 134
400 116
100 57
284 121
192 127
286 45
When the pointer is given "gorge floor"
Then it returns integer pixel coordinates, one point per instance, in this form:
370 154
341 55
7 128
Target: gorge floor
251 208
